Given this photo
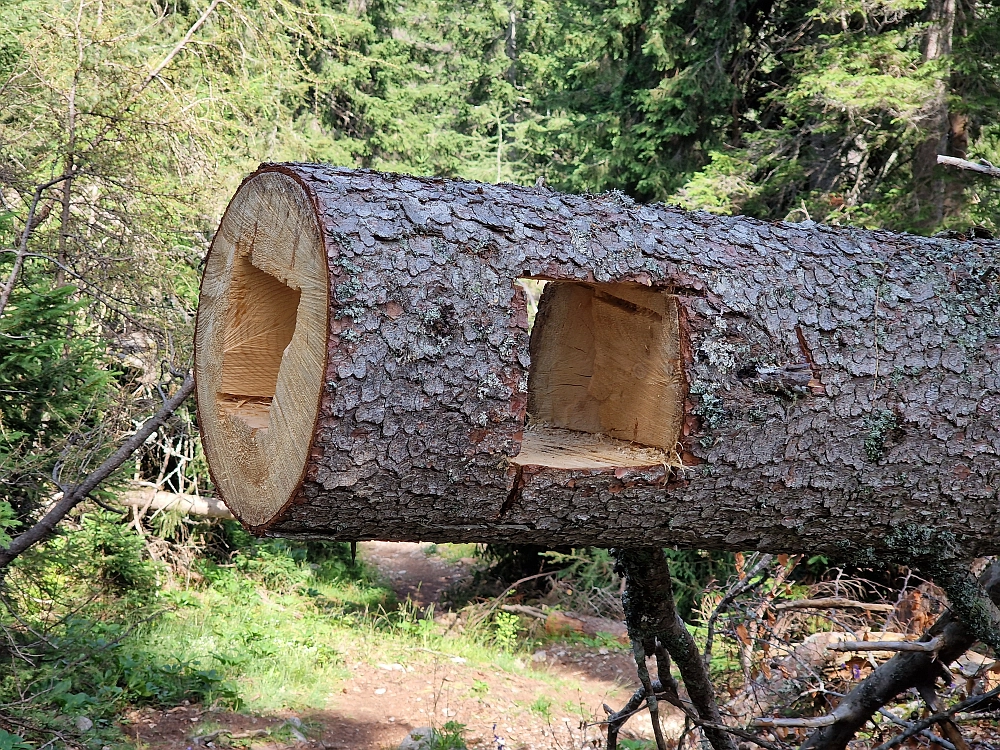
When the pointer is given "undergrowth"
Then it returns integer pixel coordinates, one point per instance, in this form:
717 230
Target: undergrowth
110 615
93 626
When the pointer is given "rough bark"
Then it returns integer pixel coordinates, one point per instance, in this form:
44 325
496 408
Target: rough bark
840 383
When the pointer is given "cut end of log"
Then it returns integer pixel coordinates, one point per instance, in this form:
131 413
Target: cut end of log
260 345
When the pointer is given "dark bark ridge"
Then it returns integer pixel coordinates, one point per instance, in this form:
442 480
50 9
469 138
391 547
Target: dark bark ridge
841 383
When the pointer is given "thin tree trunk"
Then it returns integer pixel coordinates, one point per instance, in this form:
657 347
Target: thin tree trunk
31 222
929 182
62 253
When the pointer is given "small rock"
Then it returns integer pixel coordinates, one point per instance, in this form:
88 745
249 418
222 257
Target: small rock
294 724
458 660
379 691
392 667
84 724
539 656
421 738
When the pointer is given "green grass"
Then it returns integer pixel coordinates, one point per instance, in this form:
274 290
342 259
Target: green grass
542 706
284 641
259 627
452 552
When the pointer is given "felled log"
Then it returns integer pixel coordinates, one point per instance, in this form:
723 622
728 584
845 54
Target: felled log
364 372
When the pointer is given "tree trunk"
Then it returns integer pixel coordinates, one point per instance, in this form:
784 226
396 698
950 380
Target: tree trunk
364 372
930 189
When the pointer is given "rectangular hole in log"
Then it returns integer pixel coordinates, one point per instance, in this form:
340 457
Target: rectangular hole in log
605 384
260 321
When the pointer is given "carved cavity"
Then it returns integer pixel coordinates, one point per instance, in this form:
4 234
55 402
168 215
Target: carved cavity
260 322
605 386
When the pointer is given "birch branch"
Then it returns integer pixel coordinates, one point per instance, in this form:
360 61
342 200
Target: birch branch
832 602
192 505
930 647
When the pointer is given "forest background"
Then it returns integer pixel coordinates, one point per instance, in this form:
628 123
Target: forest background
125 125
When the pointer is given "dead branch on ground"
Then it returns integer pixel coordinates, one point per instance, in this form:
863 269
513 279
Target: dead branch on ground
75 495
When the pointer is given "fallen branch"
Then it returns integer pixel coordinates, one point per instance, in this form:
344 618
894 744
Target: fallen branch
815 722
972 166
923 732
832 602
739 733
193 505
498 601
797 722
968 600
522 609
938 718
636 705
948 727
73 497
905 670
932 646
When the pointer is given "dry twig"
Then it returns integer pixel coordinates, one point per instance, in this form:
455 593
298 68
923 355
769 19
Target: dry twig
972 166
832 602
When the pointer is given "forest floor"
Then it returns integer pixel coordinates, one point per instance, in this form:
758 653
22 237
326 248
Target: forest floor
546 699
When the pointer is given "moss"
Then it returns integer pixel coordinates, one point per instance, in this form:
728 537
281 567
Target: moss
936 554
348 265
880 428
710 408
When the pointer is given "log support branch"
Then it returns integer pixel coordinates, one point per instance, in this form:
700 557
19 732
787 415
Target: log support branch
969 600
655 629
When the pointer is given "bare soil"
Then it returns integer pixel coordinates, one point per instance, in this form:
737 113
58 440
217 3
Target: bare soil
379 704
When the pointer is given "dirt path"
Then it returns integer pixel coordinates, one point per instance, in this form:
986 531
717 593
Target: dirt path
411 571
379 706
547 703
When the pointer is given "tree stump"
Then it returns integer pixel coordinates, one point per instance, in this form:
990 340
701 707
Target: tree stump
364 372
